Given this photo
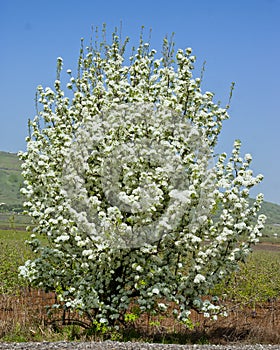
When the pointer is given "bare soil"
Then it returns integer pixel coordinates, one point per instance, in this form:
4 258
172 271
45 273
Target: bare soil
274 247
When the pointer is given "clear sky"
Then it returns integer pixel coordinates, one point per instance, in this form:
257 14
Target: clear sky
238 39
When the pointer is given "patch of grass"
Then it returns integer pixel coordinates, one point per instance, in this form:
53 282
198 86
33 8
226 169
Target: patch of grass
257 281
13 253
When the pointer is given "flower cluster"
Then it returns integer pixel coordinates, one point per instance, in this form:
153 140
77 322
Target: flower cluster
122 181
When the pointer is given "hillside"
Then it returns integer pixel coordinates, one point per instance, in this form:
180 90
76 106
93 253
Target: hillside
11 180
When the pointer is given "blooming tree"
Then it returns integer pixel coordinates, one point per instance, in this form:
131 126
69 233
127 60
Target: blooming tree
122 180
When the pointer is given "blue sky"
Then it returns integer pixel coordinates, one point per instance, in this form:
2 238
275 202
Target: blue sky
238 39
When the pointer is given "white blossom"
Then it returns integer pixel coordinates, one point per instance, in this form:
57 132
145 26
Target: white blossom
155 291
121 177
199 278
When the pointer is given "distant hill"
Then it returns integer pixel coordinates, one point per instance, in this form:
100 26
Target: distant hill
272 212
11 181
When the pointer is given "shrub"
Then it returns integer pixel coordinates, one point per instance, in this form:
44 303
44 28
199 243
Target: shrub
122 180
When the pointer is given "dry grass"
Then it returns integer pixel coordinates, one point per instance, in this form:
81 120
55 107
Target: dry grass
24 315
243 324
